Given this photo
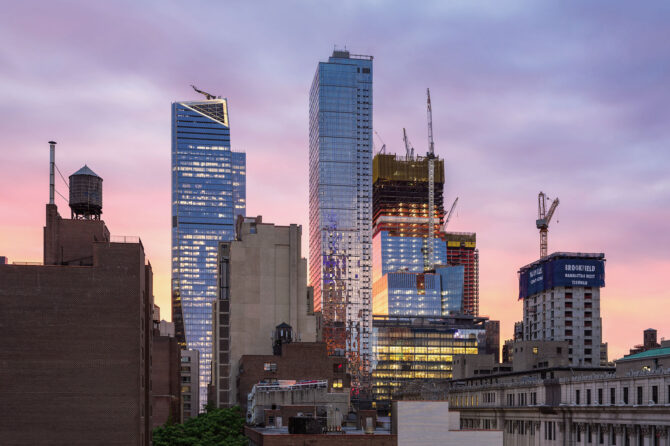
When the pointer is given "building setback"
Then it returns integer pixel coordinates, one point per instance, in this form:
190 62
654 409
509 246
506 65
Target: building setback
262 284
77 339
208 192
340 204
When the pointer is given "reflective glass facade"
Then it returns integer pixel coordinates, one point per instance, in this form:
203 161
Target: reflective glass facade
395 253
340 200
208 184
451 281
407 294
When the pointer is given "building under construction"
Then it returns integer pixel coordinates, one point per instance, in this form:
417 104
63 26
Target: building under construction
462 250
400 195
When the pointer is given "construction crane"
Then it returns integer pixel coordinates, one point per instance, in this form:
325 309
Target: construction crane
431 183
409 150
207 95
543 219
383 149
451 211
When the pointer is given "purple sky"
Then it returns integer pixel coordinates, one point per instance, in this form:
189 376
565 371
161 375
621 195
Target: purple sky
570 98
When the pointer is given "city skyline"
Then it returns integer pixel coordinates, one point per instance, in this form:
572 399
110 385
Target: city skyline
562 112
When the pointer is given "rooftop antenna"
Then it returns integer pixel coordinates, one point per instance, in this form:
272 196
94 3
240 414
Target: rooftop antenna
52 164
207 95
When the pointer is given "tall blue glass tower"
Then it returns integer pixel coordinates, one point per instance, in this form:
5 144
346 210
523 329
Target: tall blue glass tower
340 204
208 191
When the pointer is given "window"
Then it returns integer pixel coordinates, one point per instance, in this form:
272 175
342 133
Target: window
639 395
549 430
625 395
338 368
535 350
588 397
270 367
577 397
654 394
337 383
600 396
612 396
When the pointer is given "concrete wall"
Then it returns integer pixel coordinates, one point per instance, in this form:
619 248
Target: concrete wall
268 286
427 423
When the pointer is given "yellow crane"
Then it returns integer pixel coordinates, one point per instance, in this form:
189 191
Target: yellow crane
543 219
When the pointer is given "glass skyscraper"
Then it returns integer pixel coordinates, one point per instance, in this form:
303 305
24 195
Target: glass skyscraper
208 191
340 204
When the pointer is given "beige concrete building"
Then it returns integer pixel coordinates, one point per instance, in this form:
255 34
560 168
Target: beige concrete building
629 405
262 284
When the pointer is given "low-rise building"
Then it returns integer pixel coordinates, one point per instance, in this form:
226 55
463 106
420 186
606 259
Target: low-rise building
297 361
629 405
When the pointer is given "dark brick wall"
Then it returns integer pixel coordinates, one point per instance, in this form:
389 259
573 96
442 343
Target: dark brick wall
165 380
299 360
75 355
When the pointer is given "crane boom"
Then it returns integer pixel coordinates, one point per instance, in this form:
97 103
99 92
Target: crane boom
409 150
451 211
204 93
543 219
553 207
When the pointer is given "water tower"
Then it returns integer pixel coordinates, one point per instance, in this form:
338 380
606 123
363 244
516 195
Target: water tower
85 194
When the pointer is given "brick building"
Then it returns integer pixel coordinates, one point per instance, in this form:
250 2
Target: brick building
77 338
297 361
165 374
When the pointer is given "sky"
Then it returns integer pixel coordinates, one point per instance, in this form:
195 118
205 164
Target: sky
568 97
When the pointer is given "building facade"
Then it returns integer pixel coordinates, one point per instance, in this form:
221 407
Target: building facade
561 302
340 204
629 405
262 284
462 250
77 339
411 349
190 388
208 191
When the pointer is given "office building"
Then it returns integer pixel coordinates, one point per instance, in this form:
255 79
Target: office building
411 349
625 405
561 302
340 204
462 250
190 388
262 284
208 191
77 332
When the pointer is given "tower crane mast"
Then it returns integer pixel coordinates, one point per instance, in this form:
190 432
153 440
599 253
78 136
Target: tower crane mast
543 219
431 184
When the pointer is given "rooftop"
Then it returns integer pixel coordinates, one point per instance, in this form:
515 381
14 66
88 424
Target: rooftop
663 351
85 171
565 255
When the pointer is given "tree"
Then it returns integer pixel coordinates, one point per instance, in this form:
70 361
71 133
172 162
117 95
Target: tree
216 427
